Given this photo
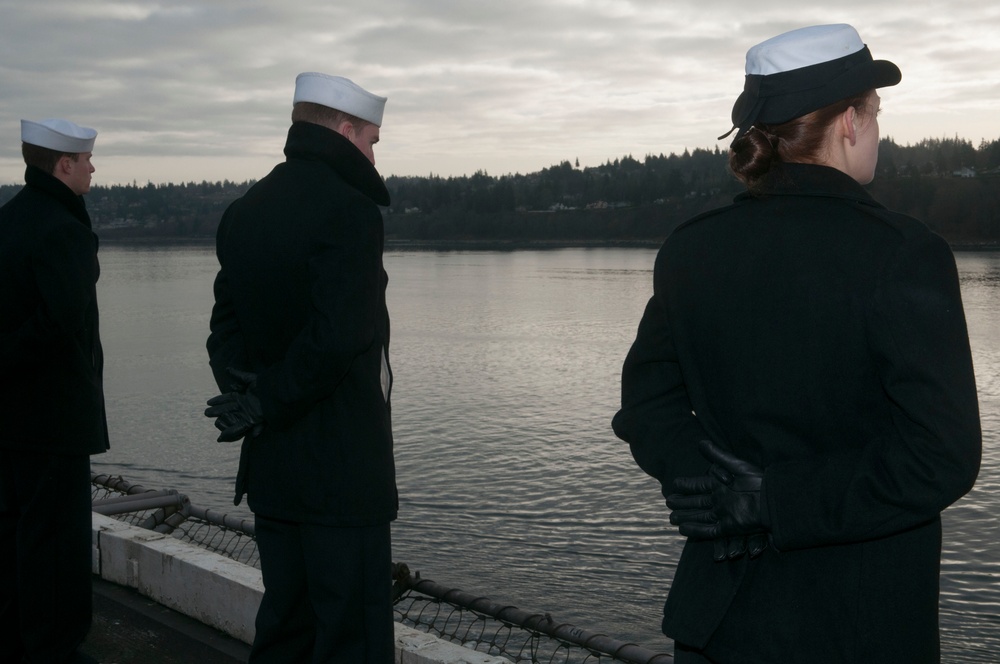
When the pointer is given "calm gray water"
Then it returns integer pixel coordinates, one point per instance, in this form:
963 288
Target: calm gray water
511 482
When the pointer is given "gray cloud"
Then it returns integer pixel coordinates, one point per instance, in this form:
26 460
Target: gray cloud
190 90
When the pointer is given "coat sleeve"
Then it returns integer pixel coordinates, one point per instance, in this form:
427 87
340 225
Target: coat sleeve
656 417
226 345
919 344
64 270
345 273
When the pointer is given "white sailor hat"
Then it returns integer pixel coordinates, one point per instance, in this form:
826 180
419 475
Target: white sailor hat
58 135
802 71
339 93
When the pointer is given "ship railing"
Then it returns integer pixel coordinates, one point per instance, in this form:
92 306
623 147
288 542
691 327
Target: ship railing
476 622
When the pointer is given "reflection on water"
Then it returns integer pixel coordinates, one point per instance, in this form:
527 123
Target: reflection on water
512 484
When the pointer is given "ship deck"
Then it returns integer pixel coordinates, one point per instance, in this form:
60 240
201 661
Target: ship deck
128 627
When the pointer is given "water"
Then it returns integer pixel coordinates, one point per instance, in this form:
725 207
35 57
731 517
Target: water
512 484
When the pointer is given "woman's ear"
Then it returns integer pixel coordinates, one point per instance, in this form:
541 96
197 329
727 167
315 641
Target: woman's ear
848 121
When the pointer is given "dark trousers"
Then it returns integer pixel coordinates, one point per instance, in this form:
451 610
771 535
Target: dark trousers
327 594
45 556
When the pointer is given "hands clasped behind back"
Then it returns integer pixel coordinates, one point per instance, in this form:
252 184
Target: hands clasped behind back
237 412
723 506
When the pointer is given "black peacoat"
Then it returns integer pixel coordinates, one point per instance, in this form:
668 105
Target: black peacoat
51 359
810 331
300 301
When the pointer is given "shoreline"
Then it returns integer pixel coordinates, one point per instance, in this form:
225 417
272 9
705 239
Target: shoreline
401 244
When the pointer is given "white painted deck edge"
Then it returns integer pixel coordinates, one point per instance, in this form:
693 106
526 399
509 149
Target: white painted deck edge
221 592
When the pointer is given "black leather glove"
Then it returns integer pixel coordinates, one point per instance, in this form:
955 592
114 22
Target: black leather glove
722 506
733 548
237 412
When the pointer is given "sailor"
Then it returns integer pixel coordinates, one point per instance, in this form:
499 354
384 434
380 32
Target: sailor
51 397
801 383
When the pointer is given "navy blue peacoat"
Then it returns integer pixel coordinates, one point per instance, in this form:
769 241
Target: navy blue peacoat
300 301
51 358
810 331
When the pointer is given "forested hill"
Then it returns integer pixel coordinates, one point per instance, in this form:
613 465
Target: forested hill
950 184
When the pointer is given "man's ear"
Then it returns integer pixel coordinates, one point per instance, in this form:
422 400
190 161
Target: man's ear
64 165
345 129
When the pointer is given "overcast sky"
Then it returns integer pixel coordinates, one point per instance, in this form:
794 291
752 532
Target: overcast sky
184 91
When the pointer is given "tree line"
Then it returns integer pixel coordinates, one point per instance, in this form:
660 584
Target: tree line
950 184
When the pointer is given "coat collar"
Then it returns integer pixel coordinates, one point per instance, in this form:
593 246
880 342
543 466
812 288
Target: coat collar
52 187
810 180
312 141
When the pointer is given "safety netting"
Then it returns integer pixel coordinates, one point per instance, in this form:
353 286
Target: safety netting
474 621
